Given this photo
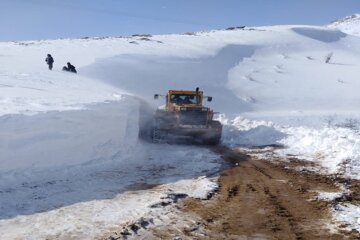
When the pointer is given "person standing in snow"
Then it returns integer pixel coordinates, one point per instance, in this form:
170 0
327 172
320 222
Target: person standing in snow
49 60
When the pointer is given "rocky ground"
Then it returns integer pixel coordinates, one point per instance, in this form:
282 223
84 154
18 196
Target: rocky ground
256 199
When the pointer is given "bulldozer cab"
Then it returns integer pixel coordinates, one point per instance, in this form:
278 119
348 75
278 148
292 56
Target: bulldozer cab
184 98
178 99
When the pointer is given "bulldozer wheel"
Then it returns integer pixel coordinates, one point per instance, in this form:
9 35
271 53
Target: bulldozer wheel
156 135
214 139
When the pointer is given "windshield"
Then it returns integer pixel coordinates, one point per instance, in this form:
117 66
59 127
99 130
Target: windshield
183 99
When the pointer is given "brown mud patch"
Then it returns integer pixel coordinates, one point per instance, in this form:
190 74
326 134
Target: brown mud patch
256 199
260 199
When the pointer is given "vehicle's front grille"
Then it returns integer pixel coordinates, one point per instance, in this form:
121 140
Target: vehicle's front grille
193 117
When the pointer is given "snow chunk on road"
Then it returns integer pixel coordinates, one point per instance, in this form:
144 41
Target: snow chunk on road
197 188
348 215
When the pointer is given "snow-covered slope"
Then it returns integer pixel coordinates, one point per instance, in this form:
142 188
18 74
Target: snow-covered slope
70 144
349 24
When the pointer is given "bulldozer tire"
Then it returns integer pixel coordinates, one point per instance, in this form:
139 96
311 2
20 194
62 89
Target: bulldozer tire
156 135
216 129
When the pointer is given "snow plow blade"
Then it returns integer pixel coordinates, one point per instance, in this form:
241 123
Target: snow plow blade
189 134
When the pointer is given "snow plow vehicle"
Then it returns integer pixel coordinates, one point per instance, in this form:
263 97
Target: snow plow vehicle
184 118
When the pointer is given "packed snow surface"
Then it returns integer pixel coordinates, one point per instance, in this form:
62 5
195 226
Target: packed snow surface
71 161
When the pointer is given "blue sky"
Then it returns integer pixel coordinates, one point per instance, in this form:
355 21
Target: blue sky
51 19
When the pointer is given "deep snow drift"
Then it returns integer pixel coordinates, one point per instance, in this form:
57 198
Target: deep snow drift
70 156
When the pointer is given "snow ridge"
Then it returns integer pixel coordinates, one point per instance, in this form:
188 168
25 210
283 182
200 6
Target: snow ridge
349 24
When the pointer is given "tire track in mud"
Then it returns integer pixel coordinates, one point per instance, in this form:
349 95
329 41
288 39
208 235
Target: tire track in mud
265 200
256 199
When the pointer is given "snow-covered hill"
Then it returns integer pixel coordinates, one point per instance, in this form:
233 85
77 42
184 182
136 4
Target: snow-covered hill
349 24
69 146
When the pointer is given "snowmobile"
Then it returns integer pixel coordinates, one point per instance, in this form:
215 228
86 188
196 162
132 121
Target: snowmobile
184 118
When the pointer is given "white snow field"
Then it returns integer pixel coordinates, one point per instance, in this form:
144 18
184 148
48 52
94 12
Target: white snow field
72 165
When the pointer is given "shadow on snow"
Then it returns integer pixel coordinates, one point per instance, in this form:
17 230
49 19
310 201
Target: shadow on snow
145 75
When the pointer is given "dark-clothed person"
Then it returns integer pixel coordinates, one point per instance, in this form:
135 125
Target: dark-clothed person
49 60
69 68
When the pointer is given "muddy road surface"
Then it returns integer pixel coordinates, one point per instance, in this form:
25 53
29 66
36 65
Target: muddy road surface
257 199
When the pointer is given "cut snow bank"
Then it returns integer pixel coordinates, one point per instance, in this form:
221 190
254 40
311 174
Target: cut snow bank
320 34
98 133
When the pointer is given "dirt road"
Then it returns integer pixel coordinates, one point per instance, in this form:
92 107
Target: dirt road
259 199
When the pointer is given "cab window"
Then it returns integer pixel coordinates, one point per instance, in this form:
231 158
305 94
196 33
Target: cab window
183 99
